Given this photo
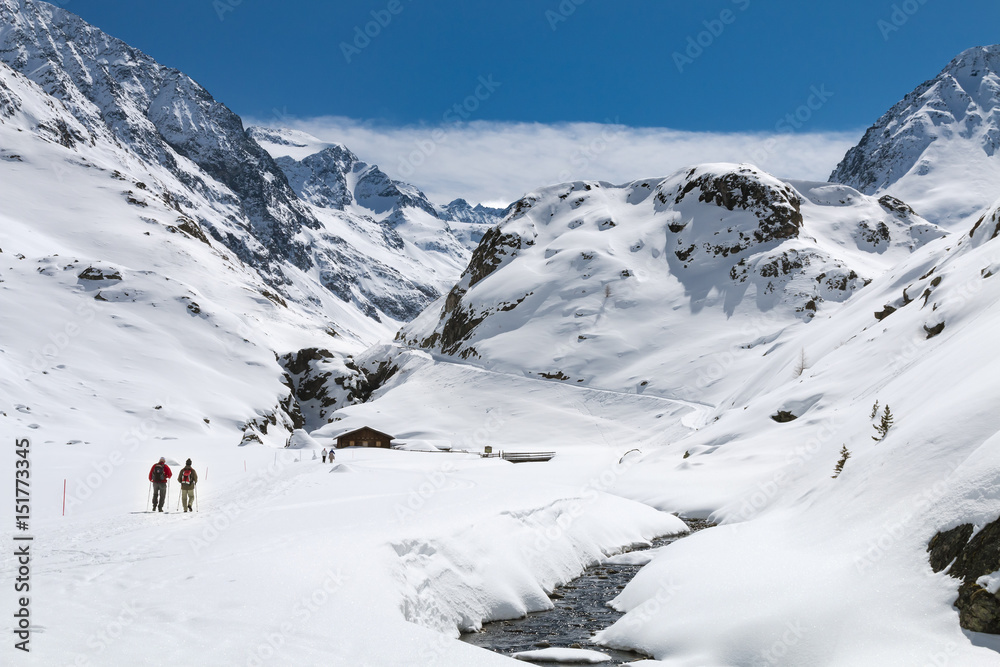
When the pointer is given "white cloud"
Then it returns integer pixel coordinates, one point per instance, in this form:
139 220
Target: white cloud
496 163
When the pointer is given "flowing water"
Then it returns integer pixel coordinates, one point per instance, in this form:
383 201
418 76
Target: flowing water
580 611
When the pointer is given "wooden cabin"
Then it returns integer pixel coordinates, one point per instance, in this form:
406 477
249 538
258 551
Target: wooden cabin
364 437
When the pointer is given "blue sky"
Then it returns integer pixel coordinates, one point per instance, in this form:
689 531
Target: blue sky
604 60
716 67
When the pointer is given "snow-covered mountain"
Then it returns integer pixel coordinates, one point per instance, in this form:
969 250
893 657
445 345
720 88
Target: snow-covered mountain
938 149
633 287
708 344
757 453
331 176
113 162
122 97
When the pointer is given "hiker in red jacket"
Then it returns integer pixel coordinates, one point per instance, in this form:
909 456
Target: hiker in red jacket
159 475
188 478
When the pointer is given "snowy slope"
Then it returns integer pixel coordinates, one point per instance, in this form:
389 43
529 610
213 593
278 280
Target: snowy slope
117 95
377 560
937 148
115 298
122 96
110 160
144 314
805 569
155 304
835 571
330 176
642 287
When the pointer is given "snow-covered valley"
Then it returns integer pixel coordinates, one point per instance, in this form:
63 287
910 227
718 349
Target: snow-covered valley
708 343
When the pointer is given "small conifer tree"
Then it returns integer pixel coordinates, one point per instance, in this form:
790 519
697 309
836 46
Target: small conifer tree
802 364
839 468
874 410
885 423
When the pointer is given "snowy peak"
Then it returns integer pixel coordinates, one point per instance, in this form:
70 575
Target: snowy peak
771 211
200 159
937 148
976 72
162 116
329 175
321 178
987 227
462 211
588 271
375 191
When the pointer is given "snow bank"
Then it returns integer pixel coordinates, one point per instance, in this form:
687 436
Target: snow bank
415 545
564 655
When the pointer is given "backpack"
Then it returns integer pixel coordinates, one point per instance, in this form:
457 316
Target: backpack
158 475
185 476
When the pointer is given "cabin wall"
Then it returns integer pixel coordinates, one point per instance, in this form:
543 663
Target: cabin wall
363 438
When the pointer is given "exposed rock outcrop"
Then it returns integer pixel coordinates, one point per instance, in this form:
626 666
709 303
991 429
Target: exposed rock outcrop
973 561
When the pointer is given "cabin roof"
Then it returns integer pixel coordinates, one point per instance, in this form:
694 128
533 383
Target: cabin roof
363 428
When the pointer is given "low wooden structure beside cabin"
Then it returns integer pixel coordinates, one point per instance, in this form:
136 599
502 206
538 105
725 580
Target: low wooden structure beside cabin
364 437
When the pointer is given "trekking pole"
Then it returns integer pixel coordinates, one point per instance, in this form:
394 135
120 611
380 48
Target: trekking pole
149 495
195 497
168 494
178 502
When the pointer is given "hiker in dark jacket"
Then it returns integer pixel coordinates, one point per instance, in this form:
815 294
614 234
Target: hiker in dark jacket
159 475
188 478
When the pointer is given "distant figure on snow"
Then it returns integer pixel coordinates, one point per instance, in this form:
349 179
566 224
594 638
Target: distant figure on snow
324 455
159 475
332 457
188 478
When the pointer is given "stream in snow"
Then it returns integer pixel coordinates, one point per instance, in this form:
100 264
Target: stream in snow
580 611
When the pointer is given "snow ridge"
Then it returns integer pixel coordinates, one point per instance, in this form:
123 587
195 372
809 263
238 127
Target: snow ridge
589 271
937 148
